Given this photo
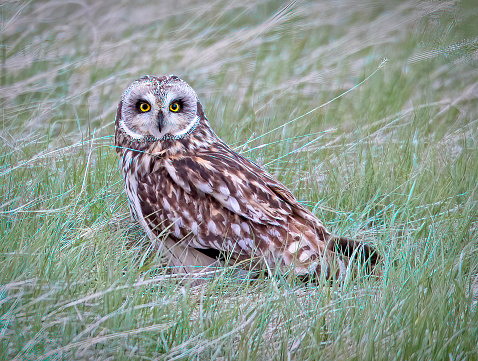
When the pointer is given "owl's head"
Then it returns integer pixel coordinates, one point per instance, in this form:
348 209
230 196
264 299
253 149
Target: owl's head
155 108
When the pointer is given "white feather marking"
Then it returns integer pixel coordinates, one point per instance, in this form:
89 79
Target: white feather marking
236 179
127 160
202 243
249 242
245 227
294 246
265 238
146 162
260 214
172 172
177 230
176 193
166 205
236 229
245 243
180 222
274 232
194 227
301 270
204 187
224 190
129 131
232 202
211 227
304 257
156 167
194 243
199 217
221 198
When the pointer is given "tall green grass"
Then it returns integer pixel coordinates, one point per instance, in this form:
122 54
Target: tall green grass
393 161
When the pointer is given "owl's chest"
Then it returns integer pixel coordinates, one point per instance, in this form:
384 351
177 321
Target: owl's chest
134 166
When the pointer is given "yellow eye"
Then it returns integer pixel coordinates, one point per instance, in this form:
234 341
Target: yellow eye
174 107
144 107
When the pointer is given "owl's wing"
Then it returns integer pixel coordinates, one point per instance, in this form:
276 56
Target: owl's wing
238 184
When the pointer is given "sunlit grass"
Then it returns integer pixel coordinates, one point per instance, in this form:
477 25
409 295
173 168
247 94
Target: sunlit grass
386 154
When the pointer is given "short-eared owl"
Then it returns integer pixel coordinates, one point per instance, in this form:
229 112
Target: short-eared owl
182 179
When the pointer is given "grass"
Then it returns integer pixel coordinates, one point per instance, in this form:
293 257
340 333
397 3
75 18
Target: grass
393 161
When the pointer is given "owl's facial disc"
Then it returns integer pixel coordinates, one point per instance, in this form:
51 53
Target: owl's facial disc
159 108
180 109
138 111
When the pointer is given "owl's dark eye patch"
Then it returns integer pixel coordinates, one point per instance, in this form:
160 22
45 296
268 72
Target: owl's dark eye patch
143 106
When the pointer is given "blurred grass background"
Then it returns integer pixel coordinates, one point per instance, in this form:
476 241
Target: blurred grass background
393 161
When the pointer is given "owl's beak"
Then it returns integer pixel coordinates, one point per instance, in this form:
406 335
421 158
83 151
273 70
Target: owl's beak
160 121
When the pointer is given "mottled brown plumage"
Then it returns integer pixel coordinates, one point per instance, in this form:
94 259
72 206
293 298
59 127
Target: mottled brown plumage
180 177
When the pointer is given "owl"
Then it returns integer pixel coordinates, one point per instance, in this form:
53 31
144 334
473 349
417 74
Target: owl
183 181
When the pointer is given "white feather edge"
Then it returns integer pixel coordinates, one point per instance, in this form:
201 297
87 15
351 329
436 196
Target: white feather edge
187 129
129 131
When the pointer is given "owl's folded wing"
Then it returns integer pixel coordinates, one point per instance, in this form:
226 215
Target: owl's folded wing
239 185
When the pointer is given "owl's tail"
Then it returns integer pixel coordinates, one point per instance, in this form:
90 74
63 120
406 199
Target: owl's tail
344 250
